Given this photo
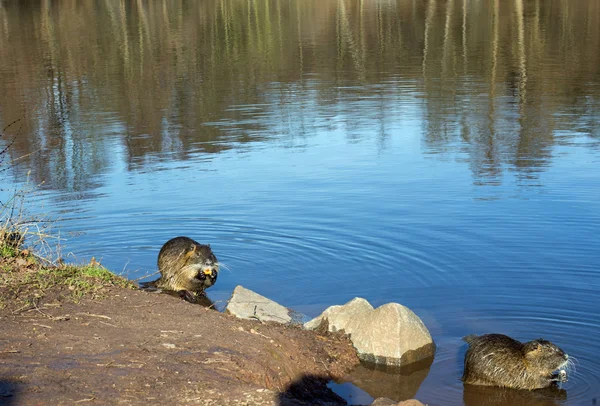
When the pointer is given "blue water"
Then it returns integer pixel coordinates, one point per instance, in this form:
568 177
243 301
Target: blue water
468 194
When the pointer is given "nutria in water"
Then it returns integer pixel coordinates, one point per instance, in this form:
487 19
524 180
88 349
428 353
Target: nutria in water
186 267
498 360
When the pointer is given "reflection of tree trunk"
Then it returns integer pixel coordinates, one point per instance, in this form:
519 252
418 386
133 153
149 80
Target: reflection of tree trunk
538 45
363 34
128 66
495 24
492 98
346 38
428 23
521 53
464 35
300 46
143 34
447 36
3 15
280 28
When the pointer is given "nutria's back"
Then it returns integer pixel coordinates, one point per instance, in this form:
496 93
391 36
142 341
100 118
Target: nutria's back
186 266
498 360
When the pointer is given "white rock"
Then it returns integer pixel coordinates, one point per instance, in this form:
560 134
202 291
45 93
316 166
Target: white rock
247 304
391 334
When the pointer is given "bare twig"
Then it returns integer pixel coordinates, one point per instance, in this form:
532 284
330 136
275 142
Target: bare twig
94 315
146 276
54 318
85 400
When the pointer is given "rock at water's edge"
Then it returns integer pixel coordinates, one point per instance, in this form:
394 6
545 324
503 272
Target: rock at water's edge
247 304
391 334
390 402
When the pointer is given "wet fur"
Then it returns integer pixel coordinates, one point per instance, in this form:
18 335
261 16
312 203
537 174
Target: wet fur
182 263
498 360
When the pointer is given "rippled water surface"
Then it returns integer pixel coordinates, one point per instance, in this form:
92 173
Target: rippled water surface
440 154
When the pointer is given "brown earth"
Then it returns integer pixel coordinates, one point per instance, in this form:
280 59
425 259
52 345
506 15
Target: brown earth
80 334
124 346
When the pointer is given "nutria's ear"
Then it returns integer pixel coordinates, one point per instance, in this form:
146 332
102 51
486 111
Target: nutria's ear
191 251
537 347
532 347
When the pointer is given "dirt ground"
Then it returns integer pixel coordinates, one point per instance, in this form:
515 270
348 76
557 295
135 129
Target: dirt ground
115 345
135 347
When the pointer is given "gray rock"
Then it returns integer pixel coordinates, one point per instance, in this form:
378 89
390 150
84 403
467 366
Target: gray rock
391 334
247 304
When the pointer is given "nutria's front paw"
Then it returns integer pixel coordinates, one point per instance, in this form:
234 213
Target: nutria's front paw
187 296
560 376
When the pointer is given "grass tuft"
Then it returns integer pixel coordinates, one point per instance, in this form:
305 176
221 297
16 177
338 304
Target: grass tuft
24 281
30 275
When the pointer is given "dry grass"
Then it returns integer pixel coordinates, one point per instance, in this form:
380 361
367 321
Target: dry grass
31 264
18 227
31 267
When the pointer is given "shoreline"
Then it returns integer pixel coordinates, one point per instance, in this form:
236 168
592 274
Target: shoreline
115 344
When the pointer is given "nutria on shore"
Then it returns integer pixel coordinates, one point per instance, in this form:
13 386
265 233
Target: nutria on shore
498 360
186 267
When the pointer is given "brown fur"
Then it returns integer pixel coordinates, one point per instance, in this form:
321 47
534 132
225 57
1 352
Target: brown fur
186 266
498 360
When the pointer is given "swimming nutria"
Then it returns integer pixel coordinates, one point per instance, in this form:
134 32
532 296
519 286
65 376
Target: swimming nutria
186 267
498 360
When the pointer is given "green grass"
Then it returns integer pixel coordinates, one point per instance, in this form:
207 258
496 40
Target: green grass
23 280
7 251
86 279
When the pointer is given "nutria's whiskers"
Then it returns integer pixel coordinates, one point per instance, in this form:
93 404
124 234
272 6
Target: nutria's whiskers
222 265
571 365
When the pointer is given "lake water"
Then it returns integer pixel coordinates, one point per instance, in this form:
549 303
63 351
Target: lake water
440 154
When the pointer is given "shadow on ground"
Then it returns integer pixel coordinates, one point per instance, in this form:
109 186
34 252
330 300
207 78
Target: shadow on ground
8 392
309 390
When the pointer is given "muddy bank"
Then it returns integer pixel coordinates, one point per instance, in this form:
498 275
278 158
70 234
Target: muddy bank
135 347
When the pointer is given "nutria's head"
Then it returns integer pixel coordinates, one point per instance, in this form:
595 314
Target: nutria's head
186 265
201 265
543 356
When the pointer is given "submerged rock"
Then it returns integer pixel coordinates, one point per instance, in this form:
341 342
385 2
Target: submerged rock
247 304
385 381
391 334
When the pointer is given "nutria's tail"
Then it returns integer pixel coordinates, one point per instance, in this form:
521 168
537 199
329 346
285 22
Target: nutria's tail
470 338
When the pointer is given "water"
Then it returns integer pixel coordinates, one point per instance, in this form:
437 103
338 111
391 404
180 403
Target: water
439 154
